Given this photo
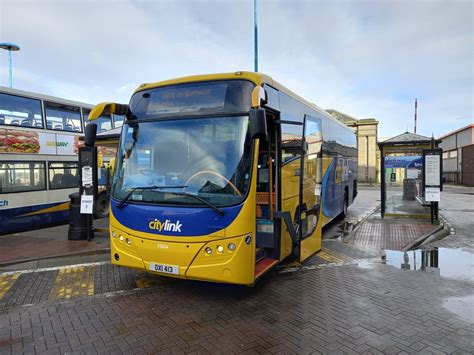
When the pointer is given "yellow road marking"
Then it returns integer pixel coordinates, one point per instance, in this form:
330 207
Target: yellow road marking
333 257
340 256
73 282
6 282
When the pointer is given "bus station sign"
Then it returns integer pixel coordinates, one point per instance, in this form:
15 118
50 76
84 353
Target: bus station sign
406 161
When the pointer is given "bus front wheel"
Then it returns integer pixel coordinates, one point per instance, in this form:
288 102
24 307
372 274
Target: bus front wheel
102 206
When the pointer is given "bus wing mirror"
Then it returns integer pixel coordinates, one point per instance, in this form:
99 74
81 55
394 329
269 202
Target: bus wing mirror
258 123
107 108
90 134
259 96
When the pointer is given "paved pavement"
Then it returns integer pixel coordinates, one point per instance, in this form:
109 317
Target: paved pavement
345 299
365 203
369 308
457 206
22 287
47 243
391 232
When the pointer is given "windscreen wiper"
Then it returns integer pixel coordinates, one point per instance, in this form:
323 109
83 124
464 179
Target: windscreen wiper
200 199
153 187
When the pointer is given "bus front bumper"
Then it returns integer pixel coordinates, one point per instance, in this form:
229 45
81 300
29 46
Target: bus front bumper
229 260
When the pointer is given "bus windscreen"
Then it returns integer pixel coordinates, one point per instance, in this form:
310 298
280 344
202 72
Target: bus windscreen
230 96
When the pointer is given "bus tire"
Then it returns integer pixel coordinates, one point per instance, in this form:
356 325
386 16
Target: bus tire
102 206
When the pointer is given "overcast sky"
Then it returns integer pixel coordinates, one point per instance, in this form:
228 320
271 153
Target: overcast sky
364 58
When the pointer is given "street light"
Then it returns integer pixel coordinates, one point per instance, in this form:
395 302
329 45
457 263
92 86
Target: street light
10 47
255 34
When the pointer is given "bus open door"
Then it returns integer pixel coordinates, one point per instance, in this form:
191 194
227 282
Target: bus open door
310 226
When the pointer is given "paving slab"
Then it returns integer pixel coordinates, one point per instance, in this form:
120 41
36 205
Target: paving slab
341 309
49 242
72 281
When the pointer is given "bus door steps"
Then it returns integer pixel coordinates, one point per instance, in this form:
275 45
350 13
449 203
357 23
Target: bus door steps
263 266
259 254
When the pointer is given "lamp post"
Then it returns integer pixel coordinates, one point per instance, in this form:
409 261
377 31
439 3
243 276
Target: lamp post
10 47
255 34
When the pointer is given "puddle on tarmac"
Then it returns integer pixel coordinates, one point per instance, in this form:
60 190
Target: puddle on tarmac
452 263
461 306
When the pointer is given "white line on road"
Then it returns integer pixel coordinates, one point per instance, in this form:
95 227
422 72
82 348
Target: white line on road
53 268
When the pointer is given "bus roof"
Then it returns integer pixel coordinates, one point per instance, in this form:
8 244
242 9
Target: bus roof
34 95
256 78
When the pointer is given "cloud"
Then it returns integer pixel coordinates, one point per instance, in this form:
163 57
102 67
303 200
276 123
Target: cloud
366 58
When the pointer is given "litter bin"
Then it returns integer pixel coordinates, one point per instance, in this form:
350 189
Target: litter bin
409 189
77 221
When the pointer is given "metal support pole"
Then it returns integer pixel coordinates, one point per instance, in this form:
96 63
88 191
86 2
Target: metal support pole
416 108
382 181
10 67
255 34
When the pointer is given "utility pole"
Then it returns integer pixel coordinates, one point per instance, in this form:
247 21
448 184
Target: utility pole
416 107
255 34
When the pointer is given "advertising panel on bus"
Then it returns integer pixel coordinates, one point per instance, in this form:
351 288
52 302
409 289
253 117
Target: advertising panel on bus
34 142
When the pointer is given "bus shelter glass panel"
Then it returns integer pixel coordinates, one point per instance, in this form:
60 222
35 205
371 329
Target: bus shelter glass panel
63 175
20 111
22 176
104 123
62 117
403 181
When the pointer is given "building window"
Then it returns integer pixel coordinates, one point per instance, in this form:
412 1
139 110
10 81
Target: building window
62 117
63 175
22 176
445 155
453 154
20 111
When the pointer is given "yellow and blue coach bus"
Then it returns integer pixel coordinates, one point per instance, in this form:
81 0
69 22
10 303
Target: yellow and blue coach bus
221 177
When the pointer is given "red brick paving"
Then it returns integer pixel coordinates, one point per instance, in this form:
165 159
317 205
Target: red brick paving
46 242
342 309
17 248
391 236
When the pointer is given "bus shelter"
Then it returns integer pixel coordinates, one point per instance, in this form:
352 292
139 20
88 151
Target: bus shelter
401 168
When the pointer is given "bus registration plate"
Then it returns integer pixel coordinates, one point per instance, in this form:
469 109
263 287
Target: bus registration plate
166 269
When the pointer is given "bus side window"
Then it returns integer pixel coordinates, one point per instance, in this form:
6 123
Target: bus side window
20 111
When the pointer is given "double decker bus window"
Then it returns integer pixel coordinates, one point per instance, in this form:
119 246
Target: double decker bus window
62 117
104 123
63 175
20 111
118 120
22 176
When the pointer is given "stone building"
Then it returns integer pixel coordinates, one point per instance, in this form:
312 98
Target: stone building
366 131
458 155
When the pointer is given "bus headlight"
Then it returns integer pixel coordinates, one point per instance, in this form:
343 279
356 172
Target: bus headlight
220 249
208 251
129 241
114 234
121 238
231 246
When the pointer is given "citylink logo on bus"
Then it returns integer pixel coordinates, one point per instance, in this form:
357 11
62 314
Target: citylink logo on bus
166 226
